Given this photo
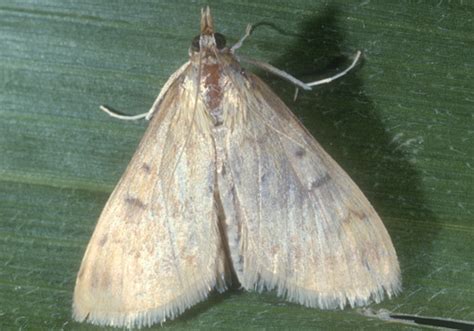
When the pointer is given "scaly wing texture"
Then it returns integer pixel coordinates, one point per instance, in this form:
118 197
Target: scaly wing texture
301 225
156 249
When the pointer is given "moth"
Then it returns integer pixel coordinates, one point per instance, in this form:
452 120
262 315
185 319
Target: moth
225 181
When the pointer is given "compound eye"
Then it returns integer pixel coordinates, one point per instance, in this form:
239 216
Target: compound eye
220 40
195 43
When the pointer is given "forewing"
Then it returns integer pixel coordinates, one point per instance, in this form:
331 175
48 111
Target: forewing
156 249
304 227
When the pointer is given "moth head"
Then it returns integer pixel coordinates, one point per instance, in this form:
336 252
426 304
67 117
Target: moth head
208 39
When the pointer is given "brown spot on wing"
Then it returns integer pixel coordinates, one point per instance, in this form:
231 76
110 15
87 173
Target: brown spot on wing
100 280
134 202
352 214
320 181
146 168
275 249
103 240
300 152
94 279
191 260
105 282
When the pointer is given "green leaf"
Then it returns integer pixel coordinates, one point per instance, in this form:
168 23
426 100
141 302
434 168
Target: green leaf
401 125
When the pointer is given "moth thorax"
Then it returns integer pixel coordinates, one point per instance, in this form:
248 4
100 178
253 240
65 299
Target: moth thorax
211 87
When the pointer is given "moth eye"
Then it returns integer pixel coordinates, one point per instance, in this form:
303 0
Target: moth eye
195 43
220 40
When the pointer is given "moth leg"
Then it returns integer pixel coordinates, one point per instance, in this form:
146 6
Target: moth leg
248 32
123 117
342 73
157 102
332 78
305 86
280 73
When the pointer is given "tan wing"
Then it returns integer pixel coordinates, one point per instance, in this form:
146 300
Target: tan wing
156 249
301 225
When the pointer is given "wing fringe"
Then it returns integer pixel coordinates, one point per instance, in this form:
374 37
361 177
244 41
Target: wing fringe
138 319
263 280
